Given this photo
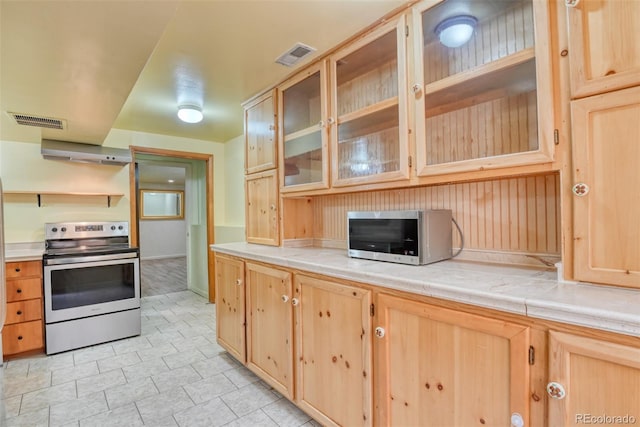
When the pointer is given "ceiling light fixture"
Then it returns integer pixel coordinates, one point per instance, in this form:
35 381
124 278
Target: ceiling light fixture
456 31
190 113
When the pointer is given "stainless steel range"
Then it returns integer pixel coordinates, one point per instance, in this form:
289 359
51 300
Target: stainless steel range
91 284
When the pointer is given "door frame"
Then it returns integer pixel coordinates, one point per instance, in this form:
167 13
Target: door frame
133 198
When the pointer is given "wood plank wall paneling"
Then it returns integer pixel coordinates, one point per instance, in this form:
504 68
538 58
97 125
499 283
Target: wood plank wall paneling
502 126
493 38
370 154
513 215
368 88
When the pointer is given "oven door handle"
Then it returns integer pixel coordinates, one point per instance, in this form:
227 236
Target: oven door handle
90 258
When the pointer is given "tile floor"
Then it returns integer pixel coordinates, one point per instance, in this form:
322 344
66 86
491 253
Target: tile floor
163 276
174 374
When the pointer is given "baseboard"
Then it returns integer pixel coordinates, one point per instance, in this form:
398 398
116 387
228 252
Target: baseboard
149 258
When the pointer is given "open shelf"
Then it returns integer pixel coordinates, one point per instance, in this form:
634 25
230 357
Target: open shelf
513 72
374 118
302 133
39 195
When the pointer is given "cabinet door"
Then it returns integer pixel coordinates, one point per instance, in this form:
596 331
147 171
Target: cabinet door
260 134
230 306
333 352
270 326
304 149
440 367
369 139
601 381
488 103
262 217
606 150
603 45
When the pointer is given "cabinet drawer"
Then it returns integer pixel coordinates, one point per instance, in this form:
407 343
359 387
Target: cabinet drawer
24 289
16 270
24 311
22 337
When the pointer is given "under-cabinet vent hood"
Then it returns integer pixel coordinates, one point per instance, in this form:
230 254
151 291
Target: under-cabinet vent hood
85 153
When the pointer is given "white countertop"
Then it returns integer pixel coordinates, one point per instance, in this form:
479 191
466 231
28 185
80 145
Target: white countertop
530 292
16 252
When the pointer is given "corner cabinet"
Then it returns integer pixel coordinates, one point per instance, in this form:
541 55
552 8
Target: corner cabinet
333 355
487 104
369 124
230 305
260 134
592 381
603 45
606 202
440 367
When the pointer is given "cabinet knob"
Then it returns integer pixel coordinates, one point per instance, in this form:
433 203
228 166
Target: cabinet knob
517 420
379 332
416 88
580 189
19 337
295 301
18 270
238 282
19 290
272 207
321 123
571 3
19 312
331 120
556 390
285 298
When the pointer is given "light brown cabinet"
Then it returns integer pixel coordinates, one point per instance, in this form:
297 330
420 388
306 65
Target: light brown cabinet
439 367
230 305
606 203
603 45
262 208
333 351
487 103
24 328
260 134
592 381
270 326
304 147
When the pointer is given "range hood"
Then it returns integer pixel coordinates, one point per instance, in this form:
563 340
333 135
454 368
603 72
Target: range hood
84 153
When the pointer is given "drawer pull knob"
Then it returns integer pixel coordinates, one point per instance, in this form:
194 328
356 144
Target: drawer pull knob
19 291
285 298
295 301
17 270
238 282
379 332
19 337
19 313
556 390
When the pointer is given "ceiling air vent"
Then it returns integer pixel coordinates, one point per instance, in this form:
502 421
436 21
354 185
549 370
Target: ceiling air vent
295 54
37 121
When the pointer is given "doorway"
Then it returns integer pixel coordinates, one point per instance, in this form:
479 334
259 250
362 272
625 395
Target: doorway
198 210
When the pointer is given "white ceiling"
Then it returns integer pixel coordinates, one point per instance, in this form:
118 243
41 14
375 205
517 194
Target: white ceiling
127 64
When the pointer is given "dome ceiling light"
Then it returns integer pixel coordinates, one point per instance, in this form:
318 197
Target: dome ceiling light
190 113
456 31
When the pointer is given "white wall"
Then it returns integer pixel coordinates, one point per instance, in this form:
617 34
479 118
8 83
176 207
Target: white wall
163 239
233 229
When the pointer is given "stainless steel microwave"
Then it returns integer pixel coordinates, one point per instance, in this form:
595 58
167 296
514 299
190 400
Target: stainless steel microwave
409 237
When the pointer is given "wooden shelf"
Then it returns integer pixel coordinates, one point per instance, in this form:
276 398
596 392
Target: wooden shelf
303 132
371 119
517 71
39 195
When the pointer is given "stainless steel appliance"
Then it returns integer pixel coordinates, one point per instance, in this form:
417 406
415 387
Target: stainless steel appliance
408 237
91 284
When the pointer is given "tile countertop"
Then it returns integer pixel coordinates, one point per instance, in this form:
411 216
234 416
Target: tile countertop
526 291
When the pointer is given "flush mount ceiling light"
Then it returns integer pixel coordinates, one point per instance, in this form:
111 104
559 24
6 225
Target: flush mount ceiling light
190 113
456 31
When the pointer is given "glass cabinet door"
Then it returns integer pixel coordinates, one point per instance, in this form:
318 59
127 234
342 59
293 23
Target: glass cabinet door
304 149
369 136
478 95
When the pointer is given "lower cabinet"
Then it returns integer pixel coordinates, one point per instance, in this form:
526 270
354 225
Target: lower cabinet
592 381
230 304
270 326
440 367
333 351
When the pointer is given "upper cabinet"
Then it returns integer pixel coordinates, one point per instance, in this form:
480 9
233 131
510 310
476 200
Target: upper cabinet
369 132
303 130
487 101
260 134
603 45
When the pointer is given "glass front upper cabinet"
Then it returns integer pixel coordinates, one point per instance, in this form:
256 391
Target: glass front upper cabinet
304 131
369 140
482 85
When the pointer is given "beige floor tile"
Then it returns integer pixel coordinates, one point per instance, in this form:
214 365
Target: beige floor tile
163 405
209 388
209 414
73 410
131 392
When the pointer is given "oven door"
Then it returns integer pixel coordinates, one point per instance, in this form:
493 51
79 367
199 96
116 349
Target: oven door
85 286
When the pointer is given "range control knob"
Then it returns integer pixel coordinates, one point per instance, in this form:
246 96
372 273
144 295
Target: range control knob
63 229
54 229
113 227
120 227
